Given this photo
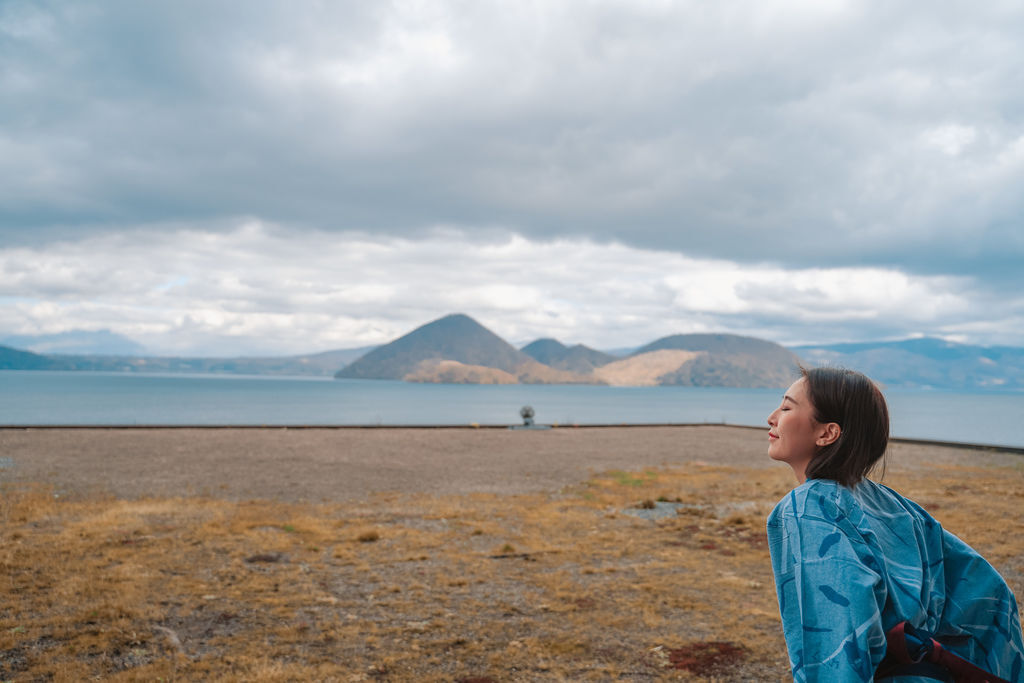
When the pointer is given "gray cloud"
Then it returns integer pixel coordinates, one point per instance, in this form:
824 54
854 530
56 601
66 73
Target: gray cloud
800 133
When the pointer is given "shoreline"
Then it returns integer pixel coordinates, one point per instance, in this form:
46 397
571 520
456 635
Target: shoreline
966 445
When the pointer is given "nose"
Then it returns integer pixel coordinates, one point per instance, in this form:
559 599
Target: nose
772 418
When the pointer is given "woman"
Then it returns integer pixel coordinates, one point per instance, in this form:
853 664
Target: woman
855 562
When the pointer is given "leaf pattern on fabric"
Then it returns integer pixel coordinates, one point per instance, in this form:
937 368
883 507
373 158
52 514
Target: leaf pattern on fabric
828 542
858 660
830 593
1000 629
782 599
826 513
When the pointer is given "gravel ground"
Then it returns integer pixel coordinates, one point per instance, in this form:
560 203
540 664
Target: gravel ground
351 464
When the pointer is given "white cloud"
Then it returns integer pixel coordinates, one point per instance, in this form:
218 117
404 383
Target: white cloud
261 289
950 139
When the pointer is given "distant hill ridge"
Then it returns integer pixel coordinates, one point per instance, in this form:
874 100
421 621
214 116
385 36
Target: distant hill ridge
77 342
316 364
716 343
727 360
927 363
16 359
578 358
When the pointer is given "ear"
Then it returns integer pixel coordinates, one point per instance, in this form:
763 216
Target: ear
828 434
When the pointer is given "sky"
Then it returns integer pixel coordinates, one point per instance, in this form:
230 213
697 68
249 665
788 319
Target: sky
263 178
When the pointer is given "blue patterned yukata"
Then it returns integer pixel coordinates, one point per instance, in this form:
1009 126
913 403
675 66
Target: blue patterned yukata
851 563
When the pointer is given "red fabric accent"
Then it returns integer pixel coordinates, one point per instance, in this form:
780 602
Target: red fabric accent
963 671
896 644
896 654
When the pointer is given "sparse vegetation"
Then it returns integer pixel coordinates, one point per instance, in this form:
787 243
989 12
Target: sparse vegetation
631 478
478 587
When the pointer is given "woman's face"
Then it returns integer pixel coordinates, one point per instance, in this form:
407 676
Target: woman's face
793 432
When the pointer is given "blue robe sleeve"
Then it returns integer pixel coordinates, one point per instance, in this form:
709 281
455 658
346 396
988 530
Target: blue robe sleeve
830 594
980 606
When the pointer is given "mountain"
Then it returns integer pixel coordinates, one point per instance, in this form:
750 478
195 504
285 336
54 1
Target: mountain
77 342
454 349
578 358
926 363
16 359
724 360
454 337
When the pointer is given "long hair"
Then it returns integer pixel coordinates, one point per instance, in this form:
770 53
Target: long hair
856 404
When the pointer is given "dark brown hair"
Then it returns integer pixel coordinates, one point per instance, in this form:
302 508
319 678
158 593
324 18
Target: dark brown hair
852 401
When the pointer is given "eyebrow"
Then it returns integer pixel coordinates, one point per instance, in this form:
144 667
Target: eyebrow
789 398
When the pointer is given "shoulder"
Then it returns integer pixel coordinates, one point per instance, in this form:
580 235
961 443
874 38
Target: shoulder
881 502
816 499
819 521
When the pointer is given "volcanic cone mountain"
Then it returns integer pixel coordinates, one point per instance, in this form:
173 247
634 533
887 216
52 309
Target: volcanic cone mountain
457 349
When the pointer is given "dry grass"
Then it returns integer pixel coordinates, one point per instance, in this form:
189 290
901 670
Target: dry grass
646 369
565 586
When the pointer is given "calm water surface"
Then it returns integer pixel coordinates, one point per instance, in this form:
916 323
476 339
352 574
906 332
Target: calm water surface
41 398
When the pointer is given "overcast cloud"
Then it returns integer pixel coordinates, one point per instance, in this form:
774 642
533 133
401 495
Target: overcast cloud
216 177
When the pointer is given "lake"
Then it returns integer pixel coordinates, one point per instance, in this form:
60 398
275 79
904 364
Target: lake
88 398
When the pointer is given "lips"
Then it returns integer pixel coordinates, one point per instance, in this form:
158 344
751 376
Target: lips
772 437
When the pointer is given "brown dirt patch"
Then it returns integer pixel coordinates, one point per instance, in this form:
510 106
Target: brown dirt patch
704 658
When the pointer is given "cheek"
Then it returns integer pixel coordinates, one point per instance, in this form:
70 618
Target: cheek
792 426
